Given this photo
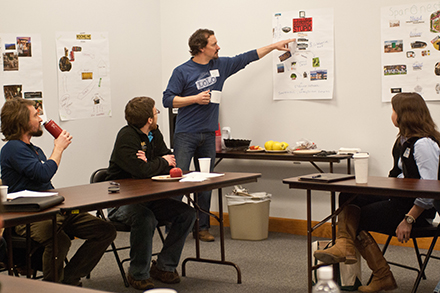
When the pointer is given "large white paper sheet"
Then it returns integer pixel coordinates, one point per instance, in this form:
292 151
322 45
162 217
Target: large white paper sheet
83 75
307 70
21 68
410 45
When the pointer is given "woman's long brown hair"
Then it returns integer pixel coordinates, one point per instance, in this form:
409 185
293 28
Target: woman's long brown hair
413 117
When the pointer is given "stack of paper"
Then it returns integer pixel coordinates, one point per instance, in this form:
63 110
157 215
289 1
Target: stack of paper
199 177
28 193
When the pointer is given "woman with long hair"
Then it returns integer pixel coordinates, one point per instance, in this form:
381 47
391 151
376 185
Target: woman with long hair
416 155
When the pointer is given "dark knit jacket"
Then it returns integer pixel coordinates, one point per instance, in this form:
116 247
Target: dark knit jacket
124 162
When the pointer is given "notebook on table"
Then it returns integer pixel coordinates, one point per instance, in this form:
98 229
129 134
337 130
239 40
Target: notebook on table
32 204
326 177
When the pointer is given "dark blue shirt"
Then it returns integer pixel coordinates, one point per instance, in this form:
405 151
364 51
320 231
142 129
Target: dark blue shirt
25 167
192 78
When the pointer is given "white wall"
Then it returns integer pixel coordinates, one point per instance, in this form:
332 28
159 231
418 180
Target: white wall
134 40
148 38
355 117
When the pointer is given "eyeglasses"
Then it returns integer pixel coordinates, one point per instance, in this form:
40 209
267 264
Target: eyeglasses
157 112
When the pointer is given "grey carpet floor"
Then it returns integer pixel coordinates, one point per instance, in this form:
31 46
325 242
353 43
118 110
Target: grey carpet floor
277 264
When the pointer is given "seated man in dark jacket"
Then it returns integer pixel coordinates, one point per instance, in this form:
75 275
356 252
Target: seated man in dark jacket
140 152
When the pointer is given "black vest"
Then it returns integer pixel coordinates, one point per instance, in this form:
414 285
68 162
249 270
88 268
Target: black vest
410 170
405 152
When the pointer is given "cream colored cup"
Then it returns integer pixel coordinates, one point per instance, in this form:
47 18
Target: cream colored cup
3 193
216 97
361 167
205 165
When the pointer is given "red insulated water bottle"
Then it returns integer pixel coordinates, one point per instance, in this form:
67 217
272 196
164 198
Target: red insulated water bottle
53 128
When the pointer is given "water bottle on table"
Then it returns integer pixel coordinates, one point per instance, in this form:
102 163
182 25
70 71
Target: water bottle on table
326 283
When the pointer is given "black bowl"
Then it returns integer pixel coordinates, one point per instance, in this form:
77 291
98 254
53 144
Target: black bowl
237 143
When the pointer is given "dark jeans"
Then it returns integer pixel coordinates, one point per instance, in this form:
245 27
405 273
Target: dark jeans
383 214
143 219
97 233
196 145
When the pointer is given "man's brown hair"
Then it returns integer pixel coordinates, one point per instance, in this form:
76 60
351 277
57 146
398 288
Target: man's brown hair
138 110
15 118
199 40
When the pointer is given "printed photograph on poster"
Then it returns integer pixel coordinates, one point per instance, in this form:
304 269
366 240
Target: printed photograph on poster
410 35
24 47
306 71
83 75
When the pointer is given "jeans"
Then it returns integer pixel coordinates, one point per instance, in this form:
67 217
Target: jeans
97 233
382 214
437 288
143 219
196 145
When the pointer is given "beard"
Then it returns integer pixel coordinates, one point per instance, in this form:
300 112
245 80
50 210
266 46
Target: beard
153 126
37 133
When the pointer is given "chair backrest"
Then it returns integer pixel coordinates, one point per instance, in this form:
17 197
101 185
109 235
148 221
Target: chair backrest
99 175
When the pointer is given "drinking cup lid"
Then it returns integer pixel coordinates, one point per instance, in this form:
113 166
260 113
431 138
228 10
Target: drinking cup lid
361 156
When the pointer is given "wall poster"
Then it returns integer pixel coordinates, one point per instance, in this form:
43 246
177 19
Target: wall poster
307 70
410 47
83 67
21 69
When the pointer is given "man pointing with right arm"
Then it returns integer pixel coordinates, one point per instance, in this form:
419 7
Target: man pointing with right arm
191 88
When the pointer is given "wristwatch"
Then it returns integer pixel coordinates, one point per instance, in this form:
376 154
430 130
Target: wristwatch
410 219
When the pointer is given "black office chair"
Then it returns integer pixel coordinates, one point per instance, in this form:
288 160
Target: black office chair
21 255
431 231
99 176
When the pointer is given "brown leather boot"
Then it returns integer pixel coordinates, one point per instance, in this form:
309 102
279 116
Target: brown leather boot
383 278
344 249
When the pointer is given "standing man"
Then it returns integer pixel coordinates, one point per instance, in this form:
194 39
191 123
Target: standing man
190 89
140 152
25 166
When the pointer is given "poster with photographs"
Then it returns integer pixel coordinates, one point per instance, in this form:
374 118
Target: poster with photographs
21 64
306 71
83 67
410 44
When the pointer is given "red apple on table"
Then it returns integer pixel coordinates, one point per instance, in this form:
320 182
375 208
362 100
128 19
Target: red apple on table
176 172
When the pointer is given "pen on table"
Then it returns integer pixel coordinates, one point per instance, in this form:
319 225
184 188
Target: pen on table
316 176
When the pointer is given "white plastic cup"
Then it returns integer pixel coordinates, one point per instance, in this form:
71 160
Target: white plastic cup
3 193
361 167
161 290
205 165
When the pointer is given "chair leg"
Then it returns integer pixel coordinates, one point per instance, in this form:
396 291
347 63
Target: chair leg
425 263
419 258
118 261
160 234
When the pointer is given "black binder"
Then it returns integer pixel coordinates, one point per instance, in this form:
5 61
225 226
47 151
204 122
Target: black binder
32 204
326 177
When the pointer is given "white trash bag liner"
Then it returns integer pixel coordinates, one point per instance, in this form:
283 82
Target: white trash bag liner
256 197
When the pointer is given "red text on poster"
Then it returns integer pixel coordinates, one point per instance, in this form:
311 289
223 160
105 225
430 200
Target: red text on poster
302 24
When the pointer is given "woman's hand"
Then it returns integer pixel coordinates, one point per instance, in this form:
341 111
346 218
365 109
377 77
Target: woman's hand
403 231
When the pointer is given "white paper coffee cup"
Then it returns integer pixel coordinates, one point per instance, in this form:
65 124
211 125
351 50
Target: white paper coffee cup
216 97
205 165
3 193
361 167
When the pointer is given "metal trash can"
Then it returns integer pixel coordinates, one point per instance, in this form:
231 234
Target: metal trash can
249 216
